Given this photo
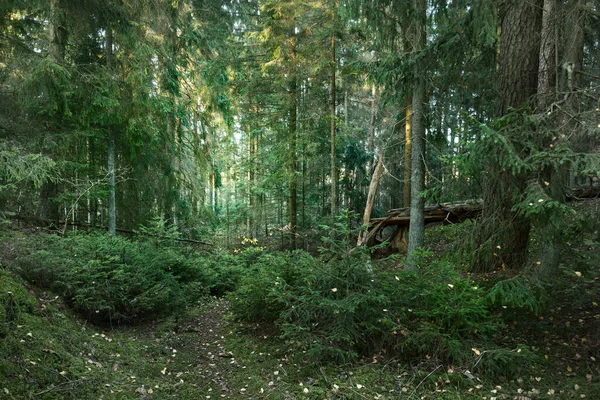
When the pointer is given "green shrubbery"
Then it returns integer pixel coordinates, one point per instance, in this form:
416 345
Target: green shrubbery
113 279
339 306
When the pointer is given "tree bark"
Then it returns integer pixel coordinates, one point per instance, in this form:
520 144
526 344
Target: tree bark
57 43
112 204
557 176
371 140
407 151
519 53
293 208
333 204
416 233
503 236
371 198
547 64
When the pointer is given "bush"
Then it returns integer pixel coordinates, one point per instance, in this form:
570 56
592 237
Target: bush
113 279
338 306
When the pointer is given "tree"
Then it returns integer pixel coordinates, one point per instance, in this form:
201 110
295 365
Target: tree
416 235
503 235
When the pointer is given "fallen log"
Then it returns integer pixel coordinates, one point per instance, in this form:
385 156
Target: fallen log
444 213
449 213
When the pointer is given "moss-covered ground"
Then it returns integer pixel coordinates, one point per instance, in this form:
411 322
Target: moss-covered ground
48 352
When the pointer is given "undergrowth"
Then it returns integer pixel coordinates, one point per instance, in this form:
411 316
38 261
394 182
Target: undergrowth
339 306
111 279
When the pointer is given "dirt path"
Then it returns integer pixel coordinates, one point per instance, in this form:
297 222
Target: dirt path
202 339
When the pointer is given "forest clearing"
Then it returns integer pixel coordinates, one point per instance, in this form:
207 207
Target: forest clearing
269 199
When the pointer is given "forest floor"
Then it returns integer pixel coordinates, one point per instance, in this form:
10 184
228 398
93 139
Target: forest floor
205 354
208 356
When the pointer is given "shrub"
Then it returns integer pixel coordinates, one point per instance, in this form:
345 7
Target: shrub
113 279
338 306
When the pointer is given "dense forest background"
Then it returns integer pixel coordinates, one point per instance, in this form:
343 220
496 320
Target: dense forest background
266 118
236 179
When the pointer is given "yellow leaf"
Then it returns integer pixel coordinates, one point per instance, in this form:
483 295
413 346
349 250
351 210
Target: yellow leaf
477 352
578 273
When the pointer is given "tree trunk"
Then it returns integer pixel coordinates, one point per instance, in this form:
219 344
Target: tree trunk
416 233
547 67
112 204
371 198
293 208
112 207
57 42
557 176
519 53
546 95
371 140
503 235
407 151
333 127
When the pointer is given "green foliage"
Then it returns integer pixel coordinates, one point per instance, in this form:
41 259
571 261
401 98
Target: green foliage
339 306
503 362
516 292
19 169
441 311
112 279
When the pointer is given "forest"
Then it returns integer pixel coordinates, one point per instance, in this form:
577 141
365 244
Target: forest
322 199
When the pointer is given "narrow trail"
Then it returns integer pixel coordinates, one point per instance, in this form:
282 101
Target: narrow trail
202 341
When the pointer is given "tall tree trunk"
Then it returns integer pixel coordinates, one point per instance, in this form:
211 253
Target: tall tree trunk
407 151
333 125
112 203
503 235
416 233
293 184
572 18
57 42
371 140
546 95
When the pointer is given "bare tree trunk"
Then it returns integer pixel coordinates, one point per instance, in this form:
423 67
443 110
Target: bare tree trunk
112 208
407 151
371 198
416 233
333 126
112 204
557 176
547 66
293 185
371 140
